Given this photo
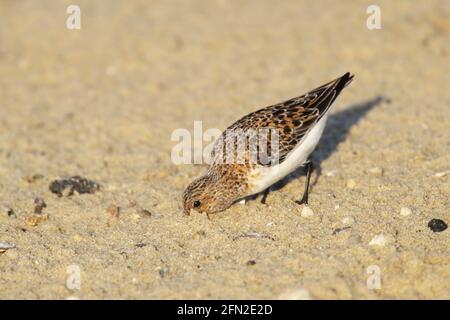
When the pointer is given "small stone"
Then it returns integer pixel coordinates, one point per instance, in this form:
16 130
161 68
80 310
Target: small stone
199 234
34 220
376 171
437 225
163 271
146 213
39 205
6 246
379 240
296 294
351 184
405 211
441 174
113 211
338 230
307 212
8 211
250 263
348 220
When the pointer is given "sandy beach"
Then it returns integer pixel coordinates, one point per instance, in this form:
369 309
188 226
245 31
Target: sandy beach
102 102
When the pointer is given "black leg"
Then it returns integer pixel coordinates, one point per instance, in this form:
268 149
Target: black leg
309 170
265 194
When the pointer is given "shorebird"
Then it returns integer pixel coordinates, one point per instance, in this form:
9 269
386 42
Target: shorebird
299 123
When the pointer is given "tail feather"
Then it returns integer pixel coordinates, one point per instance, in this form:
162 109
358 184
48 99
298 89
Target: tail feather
325 95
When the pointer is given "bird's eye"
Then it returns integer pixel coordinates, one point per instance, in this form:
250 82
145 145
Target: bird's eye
197 203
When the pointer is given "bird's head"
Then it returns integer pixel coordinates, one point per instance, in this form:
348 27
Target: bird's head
208 195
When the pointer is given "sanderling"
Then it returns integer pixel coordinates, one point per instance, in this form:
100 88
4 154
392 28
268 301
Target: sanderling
299 121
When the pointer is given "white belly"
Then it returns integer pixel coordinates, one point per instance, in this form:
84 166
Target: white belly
263 177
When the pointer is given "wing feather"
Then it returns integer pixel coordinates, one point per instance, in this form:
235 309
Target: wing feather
293 118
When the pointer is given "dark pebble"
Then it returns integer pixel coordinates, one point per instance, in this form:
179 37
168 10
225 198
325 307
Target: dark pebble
39 205
9 211
337 230
67 187
146 213
251 262
437 225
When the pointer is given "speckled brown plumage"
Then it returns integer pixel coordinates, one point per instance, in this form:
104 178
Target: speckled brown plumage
223 184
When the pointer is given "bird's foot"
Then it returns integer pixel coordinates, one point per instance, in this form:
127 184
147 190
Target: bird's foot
264 197
302 201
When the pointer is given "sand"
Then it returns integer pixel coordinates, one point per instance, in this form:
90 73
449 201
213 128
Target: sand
102 102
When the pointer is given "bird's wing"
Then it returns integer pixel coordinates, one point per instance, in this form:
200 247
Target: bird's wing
293 118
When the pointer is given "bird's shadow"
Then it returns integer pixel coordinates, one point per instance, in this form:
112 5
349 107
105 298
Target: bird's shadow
336 131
